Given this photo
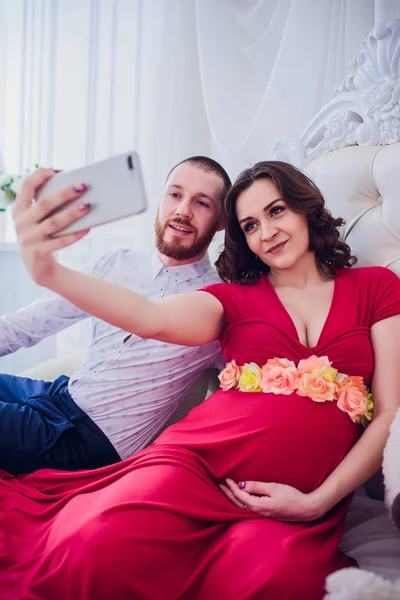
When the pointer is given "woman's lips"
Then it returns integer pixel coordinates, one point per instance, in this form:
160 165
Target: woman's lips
277 248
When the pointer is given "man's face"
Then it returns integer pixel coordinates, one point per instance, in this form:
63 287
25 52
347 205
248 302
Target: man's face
189 212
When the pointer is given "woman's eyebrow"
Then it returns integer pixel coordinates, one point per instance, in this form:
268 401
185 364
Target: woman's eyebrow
264 210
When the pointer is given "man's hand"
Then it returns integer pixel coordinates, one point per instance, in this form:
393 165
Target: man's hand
35 228
273 500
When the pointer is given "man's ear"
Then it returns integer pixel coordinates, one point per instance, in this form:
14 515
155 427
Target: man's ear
220 224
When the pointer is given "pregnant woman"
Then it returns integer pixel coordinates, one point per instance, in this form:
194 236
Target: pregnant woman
246 497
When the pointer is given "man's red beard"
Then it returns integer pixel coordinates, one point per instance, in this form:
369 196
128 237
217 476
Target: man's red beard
178 248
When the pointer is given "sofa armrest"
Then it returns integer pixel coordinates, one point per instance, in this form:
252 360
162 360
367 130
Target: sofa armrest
53 368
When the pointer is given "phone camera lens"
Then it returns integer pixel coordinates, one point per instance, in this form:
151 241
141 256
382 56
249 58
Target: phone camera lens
130 163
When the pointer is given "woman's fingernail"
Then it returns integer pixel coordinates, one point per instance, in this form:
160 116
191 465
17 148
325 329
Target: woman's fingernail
83 205
56 170
242 484
79 187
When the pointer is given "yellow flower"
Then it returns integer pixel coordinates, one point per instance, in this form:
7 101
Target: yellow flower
369 413
250 377
328 373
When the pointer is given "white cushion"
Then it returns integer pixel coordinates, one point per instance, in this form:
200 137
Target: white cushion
53 368
361 184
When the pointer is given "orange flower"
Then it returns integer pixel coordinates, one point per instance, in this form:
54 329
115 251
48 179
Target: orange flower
229 377
279 376
312 363
352 400
316 387
344 380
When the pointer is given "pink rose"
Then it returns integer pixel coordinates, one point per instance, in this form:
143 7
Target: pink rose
317 387
313 363
353 401
229 377
279 376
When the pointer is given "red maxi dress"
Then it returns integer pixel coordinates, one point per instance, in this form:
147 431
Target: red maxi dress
156 526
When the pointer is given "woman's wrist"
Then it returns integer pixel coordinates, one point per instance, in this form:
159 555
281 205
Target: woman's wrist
53 277
318 504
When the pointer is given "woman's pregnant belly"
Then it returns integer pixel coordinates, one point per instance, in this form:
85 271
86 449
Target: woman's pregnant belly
266 437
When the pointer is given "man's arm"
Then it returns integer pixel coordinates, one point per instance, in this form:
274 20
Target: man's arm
29 325
47 315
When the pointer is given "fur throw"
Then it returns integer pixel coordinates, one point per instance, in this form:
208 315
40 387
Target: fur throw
391 471
355 584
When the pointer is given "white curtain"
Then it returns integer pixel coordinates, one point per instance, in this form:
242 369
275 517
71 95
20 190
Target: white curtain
85 79
81 80
268 66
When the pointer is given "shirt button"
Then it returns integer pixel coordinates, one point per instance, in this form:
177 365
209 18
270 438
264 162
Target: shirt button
95 372
119 351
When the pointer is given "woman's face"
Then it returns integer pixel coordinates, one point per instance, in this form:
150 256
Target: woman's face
273 231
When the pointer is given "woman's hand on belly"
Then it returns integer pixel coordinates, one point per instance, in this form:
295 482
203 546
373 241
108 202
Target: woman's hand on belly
272 500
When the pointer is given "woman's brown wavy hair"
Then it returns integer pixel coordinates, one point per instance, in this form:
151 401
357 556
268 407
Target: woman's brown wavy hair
238 264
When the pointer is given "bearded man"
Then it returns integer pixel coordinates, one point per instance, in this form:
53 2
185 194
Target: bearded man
128 387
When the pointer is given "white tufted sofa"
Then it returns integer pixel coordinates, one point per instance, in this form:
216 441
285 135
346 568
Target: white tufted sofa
362 185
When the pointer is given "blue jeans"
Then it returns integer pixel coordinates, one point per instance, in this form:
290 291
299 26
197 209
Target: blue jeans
42 427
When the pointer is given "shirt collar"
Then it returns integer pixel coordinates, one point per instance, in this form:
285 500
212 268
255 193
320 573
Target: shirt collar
182 272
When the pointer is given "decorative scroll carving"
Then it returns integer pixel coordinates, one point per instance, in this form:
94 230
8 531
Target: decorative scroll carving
365 107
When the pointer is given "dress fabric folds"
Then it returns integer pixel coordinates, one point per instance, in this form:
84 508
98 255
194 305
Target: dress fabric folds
157 526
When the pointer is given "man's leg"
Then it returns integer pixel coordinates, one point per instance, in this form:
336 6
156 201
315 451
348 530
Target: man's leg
42 427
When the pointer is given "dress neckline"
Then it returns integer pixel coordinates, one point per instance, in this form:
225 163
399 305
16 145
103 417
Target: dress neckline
291 322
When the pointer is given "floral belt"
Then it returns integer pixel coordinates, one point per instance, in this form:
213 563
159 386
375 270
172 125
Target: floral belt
313 377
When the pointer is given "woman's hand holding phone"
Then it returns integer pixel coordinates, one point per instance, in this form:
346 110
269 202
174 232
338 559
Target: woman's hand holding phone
53 211
115 190
36 223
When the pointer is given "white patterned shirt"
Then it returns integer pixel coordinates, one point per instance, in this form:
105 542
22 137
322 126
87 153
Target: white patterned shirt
128 386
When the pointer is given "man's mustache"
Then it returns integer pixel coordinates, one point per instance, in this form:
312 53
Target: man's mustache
183 222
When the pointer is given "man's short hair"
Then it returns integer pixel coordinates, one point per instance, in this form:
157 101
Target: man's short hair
209 165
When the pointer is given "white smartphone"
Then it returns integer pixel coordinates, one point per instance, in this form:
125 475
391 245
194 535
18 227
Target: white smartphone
115 190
